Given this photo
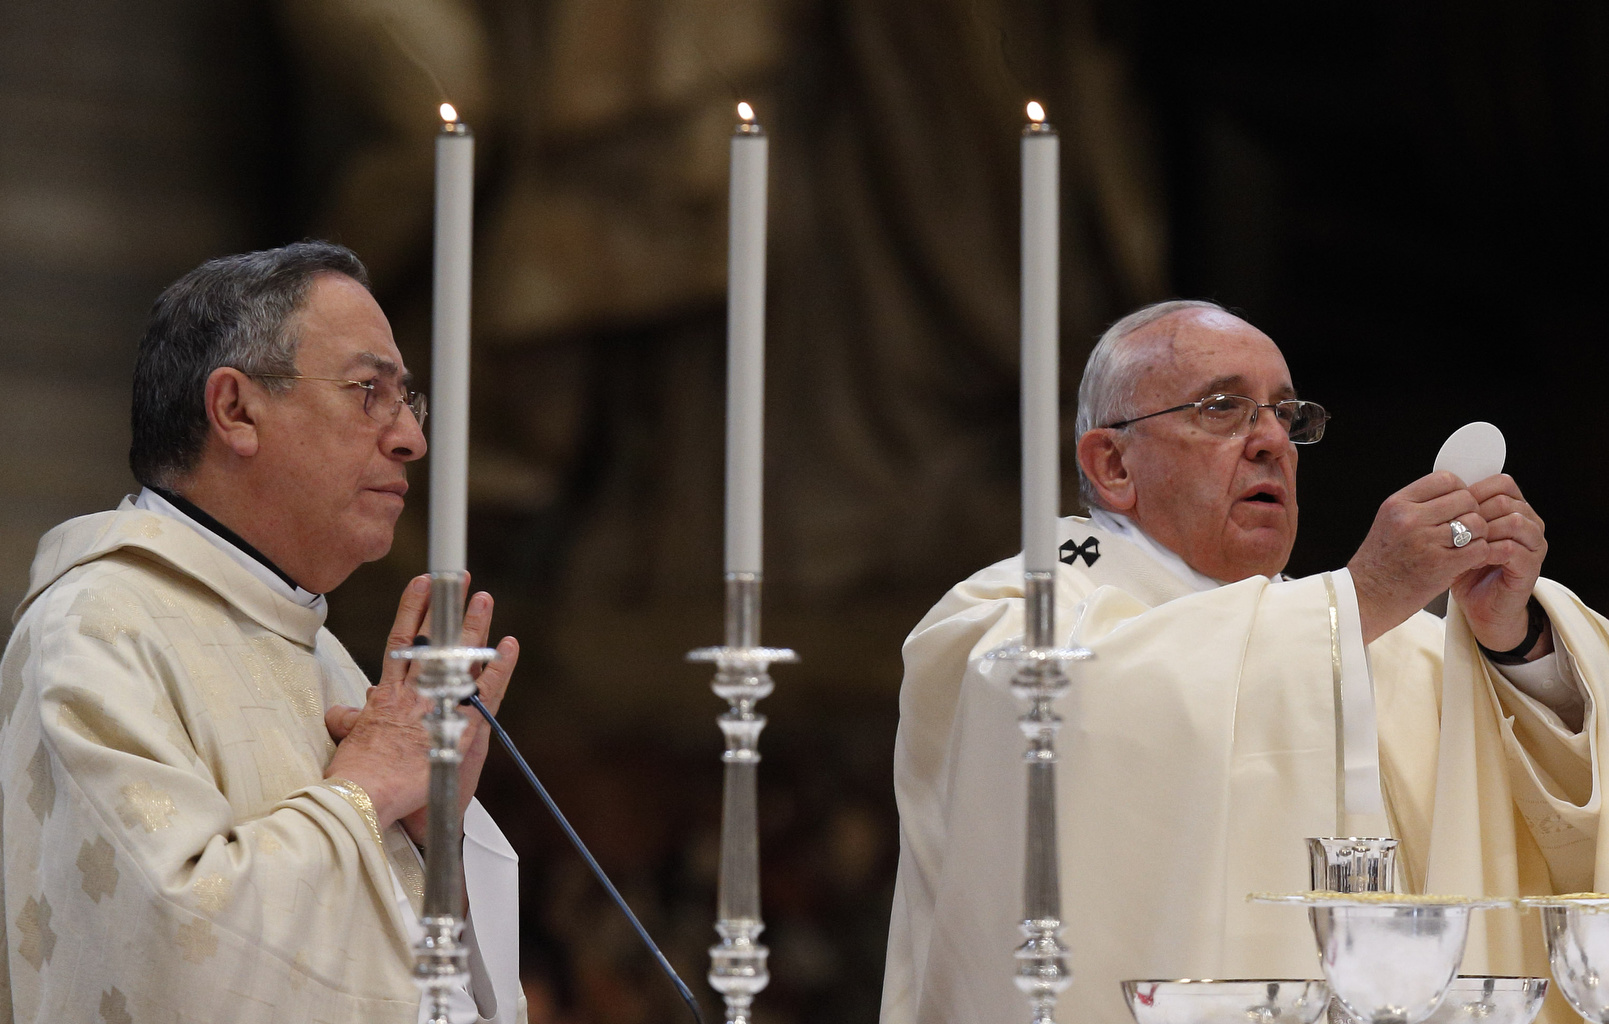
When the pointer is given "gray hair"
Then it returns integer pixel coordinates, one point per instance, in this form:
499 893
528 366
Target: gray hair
233 311
1112 376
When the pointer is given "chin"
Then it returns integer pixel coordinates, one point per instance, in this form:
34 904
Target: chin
1251 562
369 542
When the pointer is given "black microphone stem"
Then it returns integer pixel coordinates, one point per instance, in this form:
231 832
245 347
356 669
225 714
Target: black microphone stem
586 855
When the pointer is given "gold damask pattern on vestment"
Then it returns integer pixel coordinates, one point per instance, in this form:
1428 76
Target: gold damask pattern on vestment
101 617
273 661
212 892
114 1007
144 804
38 940
98 863
42 785
195 940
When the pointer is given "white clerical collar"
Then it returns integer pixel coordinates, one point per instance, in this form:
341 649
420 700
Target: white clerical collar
1124 527
151 501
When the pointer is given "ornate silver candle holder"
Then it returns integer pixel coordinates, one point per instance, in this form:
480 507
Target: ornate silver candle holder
1276 1001
1389 957
1576 928
1493 1000
1042 973
444 678
738 962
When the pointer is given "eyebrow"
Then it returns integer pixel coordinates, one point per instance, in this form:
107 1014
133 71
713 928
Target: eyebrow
383 365
1228 385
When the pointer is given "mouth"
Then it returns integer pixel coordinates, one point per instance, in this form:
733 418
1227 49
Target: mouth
399 489
1264 494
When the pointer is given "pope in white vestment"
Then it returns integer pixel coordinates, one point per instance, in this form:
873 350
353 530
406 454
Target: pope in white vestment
172 849
1220 725
1199 754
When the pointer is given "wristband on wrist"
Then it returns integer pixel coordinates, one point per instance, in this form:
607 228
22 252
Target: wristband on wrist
1537 620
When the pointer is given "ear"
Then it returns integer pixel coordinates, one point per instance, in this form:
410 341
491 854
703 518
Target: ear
1100 456
230 401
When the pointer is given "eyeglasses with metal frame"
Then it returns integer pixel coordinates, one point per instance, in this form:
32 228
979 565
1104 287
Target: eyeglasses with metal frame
1235 415
378 396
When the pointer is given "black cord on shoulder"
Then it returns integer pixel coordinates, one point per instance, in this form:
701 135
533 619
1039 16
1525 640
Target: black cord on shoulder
586 855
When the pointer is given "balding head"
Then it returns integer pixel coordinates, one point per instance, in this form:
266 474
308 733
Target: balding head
1224 502
1112 375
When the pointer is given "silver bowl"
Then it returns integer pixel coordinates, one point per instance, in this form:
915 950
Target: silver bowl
1390 963
1577 934
1491 1000
1226 1002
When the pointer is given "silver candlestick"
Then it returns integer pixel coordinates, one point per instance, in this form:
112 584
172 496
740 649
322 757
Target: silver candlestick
738 962
1042 972
444 678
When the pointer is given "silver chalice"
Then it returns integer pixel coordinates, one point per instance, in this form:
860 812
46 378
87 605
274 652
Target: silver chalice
1389 957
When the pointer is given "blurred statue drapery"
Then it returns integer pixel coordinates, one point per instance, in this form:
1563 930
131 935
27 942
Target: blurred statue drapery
600 262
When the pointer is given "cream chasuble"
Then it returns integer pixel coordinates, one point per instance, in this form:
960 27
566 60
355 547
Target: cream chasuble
1199 751
171 850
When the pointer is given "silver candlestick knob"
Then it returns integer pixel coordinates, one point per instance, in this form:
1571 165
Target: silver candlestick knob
445 677
738 968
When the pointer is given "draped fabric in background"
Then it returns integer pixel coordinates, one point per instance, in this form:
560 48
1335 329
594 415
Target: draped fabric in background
601 266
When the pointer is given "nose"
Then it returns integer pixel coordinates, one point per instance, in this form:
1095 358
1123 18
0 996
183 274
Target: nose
405 439
1266 437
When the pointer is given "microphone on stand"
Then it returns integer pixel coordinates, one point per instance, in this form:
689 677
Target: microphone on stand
586 855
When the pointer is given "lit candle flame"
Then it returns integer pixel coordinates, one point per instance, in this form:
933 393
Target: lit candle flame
1035 111
449 113
745 111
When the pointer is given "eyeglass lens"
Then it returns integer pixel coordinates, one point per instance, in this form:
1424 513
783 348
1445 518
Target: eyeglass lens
383 400
1231 416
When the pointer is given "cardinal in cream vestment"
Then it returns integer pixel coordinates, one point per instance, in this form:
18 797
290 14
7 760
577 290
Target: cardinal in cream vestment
172 850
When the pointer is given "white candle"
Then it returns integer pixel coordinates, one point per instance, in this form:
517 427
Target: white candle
1041 414
449 377
745 345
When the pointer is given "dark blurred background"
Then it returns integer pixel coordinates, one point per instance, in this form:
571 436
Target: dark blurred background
1409 198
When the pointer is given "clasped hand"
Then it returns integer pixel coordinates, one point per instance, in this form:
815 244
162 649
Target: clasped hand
383 746
1409 557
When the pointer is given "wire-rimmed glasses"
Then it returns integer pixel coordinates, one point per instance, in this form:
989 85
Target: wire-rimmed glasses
382 400
1235 415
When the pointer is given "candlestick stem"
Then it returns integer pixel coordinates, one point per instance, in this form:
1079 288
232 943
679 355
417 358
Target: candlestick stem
738 963
444 678
1042 973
